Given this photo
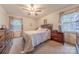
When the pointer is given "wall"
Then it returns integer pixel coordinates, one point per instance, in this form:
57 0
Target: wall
4 20
70 38
29 24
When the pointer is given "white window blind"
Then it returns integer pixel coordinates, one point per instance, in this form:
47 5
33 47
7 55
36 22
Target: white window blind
70 22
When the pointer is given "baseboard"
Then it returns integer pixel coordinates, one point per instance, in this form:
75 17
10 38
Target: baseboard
70 43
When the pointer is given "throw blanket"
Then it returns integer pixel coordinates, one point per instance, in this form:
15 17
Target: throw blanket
28 43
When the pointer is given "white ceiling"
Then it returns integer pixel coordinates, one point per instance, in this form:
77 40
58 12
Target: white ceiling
16 9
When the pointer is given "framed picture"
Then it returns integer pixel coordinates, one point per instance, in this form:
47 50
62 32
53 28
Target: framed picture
45 21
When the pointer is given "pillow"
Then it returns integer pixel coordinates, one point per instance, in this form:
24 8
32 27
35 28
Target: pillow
39 28
46 29
42 29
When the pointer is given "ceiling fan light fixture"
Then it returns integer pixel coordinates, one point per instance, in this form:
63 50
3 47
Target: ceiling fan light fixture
32 10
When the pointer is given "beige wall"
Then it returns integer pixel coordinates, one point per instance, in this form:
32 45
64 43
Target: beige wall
4 20
29 24
70 38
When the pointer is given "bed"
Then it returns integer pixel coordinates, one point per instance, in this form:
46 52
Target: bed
34 38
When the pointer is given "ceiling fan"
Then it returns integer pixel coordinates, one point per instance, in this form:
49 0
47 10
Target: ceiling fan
32 10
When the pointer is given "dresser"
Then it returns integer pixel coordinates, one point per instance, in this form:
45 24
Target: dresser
5 34
58 36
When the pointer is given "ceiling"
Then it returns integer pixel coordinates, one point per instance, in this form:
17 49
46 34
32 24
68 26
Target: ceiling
16 9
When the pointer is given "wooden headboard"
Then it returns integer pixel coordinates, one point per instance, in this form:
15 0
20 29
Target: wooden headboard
48 26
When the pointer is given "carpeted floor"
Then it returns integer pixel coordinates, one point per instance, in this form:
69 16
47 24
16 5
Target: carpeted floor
53 47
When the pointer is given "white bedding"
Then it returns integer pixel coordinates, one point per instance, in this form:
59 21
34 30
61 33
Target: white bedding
34 38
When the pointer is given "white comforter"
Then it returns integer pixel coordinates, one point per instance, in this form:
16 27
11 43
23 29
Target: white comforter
34 38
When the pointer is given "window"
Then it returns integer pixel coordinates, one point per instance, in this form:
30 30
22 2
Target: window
70 22
16 25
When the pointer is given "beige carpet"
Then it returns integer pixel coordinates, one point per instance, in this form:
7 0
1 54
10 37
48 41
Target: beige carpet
53 47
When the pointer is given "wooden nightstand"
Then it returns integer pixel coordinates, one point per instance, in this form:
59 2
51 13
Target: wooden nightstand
58 36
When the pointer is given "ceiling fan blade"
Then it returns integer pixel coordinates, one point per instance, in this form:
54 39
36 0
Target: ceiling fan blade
29 14
38 10
36 14
25 9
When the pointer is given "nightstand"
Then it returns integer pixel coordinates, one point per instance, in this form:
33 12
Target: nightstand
58 36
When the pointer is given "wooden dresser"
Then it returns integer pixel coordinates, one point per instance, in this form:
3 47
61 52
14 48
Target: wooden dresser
58 36
5 34
2 35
